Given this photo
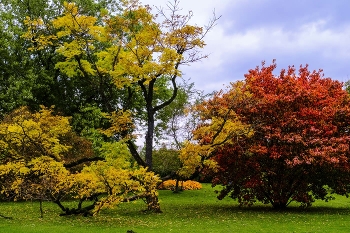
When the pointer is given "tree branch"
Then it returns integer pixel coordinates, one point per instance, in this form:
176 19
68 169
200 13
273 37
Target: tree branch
135 154
5 217
83 160
169 101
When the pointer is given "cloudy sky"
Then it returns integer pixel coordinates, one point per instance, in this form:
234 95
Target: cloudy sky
295 32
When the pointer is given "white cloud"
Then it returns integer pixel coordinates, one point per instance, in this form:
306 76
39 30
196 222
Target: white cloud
235 48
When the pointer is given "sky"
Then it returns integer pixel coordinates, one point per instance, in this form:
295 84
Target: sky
298 32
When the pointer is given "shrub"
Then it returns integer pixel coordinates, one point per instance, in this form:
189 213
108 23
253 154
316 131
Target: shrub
183 185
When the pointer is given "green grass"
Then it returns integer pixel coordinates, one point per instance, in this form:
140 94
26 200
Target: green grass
189 211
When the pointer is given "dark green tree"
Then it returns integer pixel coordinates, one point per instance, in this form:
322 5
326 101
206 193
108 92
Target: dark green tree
30 77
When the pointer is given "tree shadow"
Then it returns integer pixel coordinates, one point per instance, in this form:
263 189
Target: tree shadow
293 209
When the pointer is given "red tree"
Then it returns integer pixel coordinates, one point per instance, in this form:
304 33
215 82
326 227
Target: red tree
300 147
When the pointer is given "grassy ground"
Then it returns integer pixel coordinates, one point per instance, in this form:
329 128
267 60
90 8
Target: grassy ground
190 211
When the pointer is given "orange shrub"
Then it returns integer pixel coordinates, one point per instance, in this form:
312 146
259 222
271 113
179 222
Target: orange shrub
184 185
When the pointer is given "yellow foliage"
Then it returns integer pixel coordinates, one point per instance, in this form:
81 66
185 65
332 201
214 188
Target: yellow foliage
70 68
134 45
72 22
220 126
191 156
27 134
34 27
53 177
70 50
121 122
116 177
10 174
33 166
183 185
129 48
118 183
87 184
33 141
40 178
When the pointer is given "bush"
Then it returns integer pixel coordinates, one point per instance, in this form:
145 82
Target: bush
183 185
165 161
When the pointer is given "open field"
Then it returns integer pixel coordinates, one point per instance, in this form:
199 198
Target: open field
190 211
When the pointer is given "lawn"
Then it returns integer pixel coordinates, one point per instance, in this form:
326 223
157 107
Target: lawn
189 211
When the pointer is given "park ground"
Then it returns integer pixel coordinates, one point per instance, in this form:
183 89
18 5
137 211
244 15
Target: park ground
189 211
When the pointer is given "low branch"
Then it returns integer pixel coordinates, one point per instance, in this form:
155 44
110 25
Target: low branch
83 160
86 211
134 198
135 154
172 175
173 96
5 217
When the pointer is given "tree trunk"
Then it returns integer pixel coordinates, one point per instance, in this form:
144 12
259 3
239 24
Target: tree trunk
279 205
149 139
177 187
153 204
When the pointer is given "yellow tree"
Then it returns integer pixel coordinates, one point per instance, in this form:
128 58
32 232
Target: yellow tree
219 126
25 135
38 161
117 177
33 154
134 49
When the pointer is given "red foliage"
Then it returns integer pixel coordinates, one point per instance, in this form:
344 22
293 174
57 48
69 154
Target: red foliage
300 144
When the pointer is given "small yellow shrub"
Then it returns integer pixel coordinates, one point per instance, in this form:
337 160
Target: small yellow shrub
184 185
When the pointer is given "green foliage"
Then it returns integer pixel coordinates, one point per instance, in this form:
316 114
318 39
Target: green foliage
177 120
125 61
29 78
105 66
347 86
166 161
88 118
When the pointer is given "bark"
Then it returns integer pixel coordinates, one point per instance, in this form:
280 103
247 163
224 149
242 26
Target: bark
83 160
86 211
148 96
153 204
135 154
149 140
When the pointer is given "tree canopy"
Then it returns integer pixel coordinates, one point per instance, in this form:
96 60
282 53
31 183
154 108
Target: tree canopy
40 155
81 78
131 49
292 143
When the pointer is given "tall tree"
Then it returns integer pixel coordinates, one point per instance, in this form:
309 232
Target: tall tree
299 150
29 77
130 49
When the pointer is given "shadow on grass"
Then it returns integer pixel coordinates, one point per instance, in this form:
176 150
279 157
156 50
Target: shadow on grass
217 209
294 209
262 209
195 202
